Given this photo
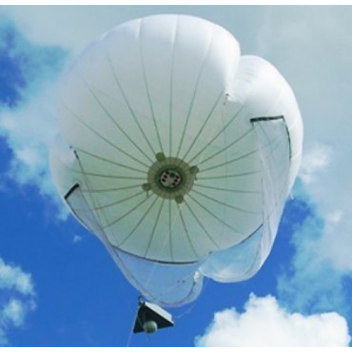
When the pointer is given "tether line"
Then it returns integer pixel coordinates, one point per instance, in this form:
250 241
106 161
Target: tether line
227 205
201 225
204 124
186 231
127 102
227 189
171 87
229 175
230 161
100 175
101 136
154 228
215 216
218 134
147 87
139 222
97 222
225 148
108 176
114 189
109 161
170 231
195 92
127 213
119 201
106 111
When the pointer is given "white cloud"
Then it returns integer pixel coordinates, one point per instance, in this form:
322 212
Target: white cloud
14 311
335 216
16 298
73 27
313 283
76 239
29 130
29 125
48 25
315 161
264 323
13 278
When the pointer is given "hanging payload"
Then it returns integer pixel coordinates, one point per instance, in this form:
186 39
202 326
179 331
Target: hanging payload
177 152
150 318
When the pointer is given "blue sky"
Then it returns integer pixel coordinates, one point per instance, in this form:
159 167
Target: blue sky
58 286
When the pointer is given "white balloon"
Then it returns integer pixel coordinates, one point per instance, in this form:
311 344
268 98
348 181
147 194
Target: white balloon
177 152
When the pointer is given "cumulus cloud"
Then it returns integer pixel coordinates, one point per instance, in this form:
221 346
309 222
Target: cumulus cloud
13 278
312 283
264 323
27 108
55 25
29 130
315 161
74 28
17 298
14 312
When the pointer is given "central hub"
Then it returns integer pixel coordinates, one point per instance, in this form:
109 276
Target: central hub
170 178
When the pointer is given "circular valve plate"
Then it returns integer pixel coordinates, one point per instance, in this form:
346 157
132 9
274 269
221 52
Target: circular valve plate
170 178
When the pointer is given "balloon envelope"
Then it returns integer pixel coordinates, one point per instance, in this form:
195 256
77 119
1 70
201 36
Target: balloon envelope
177 152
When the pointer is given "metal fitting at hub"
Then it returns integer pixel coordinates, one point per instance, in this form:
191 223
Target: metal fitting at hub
170 178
